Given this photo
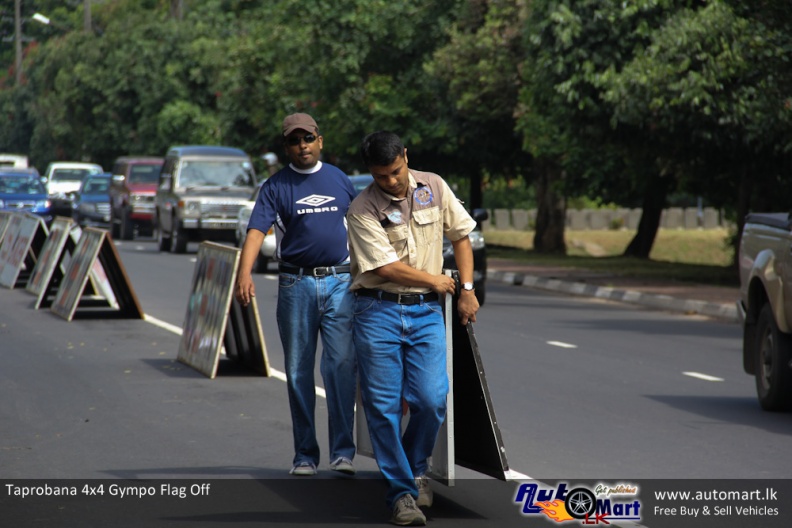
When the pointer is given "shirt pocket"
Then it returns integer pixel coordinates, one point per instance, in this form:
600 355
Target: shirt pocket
398 236
429 229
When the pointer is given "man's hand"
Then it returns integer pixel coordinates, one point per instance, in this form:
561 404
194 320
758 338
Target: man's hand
443 284
467 306
245 289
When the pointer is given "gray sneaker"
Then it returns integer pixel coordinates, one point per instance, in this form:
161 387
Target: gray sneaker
303 469
425 493
343 465
406 513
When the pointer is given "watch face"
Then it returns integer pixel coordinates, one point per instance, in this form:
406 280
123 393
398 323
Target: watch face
468 286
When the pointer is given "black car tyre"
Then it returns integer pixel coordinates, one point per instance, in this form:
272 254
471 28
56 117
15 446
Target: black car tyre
163 242
127 227
261 264
773 372
580 503
178 237
481 293
115 226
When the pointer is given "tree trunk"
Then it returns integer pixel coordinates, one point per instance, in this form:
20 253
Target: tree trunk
653 203
743 208
476 196
551 209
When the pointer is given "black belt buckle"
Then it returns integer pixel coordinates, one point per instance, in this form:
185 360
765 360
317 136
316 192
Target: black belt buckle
321 272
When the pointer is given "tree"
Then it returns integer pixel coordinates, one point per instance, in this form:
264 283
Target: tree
711 93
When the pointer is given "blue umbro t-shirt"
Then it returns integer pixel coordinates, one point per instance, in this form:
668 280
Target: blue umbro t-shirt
309 213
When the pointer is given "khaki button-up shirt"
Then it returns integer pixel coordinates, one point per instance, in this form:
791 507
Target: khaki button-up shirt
384 229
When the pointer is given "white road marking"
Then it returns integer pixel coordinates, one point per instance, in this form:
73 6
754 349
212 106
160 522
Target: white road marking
704 377
277 374
561 344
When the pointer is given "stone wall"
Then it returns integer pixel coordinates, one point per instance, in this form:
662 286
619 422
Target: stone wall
582 219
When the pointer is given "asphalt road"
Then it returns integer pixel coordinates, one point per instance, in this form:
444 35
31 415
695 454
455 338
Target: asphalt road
582 389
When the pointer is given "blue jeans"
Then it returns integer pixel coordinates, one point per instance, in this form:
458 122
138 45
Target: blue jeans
307 307
401 352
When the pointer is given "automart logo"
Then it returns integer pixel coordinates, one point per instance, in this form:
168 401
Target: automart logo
601 505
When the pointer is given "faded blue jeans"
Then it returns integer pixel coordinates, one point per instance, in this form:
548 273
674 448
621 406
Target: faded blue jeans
308 307
401 352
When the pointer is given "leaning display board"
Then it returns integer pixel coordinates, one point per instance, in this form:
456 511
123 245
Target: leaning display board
95 258
470 436
49 267
22 243
5 216
211 322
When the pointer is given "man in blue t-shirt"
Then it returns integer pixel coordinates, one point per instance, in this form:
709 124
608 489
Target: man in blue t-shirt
307 201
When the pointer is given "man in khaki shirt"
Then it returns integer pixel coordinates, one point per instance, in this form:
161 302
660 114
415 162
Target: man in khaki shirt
396 228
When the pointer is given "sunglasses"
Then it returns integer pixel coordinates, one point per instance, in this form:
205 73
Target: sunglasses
296 140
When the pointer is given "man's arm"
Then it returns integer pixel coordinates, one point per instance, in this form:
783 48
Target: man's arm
468 302
401 273
245 289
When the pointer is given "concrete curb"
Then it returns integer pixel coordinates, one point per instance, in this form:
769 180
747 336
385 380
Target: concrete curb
727 312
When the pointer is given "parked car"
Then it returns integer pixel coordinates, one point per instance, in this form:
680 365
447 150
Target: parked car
361 181
13 160
268 247
132 193
21 190
62 179
91 203
200 192
765 267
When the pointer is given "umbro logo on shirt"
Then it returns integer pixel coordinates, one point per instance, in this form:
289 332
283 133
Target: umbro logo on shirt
316 201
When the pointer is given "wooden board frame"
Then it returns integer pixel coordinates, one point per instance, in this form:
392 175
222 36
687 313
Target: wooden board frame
215 319
49 270
96 258
23 240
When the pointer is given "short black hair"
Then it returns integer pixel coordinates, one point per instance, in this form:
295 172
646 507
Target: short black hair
380 149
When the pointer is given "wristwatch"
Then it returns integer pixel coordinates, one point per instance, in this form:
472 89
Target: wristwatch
468 286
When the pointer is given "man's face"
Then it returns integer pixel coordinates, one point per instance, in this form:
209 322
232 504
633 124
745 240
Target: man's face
394 179
303 148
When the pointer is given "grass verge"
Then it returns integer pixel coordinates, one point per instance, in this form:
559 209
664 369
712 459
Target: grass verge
701 256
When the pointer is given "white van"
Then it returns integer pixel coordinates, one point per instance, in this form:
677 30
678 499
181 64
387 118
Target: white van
14 160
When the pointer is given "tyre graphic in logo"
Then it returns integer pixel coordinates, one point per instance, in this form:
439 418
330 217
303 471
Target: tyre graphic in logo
580 503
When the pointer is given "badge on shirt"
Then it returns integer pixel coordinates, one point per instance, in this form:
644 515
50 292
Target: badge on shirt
395 217
423 195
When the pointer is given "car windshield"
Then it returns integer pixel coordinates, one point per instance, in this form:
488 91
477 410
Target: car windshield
20 185
360 182
96 186
72 174
210 173
144 174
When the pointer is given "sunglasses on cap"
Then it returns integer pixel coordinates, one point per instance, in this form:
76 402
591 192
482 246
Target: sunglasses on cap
295 140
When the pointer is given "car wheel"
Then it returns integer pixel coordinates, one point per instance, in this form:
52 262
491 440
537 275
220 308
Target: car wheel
580 503
481 293
115 227
773 372
178 238
261 264
163 242
127 227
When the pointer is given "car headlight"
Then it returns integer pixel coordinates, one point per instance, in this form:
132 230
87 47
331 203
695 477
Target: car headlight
192 209
476 239
41 204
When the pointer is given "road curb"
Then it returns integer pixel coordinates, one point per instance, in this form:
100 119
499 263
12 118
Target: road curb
726 312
